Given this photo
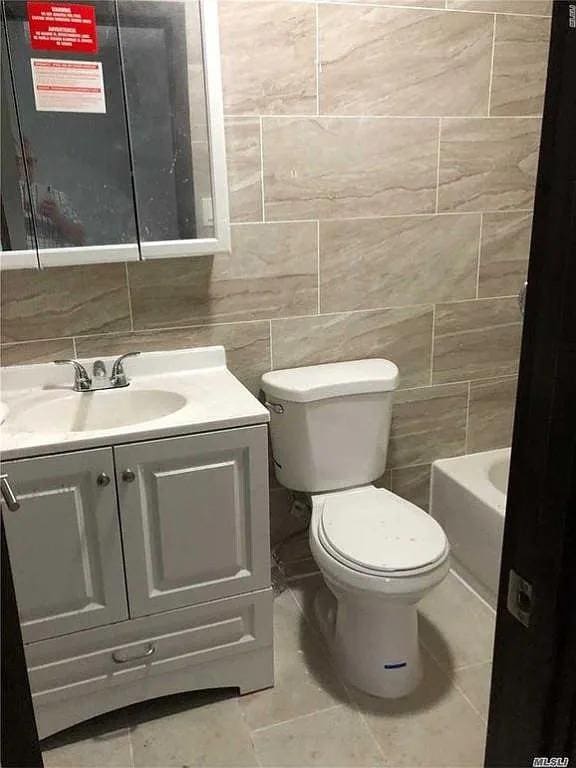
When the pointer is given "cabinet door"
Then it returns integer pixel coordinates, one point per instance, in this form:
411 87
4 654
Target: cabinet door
194 514
64 543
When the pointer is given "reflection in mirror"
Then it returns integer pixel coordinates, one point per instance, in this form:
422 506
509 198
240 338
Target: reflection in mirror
76 154
17 224
162 54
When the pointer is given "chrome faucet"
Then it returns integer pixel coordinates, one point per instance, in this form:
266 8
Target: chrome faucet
99 380
82 382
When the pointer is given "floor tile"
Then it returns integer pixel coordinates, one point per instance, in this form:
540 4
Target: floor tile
334 737
456 627
434 726
474 682
305 679
214 735
102 749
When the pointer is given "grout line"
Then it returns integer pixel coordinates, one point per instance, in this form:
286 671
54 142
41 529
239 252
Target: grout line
129 297
364 118
490 82
317 56
421 214
466 428
262 169
318 261
432 344
466 698
479 256
298 717
473 591
270 344
438 166
415 6
131 748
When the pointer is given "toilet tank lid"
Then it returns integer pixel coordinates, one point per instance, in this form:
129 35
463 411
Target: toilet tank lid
317 382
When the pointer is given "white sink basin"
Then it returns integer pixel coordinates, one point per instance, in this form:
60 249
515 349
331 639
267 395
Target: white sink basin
95 411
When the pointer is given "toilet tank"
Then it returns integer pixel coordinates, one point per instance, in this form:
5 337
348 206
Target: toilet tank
330 424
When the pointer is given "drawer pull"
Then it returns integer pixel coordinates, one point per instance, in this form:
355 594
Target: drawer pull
8 494
120 659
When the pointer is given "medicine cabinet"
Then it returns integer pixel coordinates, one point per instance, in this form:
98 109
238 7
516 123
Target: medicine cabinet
112 132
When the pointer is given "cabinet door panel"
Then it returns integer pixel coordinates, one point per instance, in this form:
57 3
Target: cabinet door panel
64 544
195 520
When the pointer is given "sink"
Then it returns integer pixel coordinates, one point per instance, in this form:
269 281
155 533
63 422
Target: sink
100 410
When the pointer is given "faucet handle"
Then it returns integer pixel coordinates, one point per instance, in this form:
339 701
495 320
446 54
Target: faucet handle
82 382
118 375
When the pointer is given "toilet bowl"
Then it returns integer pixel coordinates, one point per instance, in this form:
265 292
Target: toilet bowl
379 556
378 553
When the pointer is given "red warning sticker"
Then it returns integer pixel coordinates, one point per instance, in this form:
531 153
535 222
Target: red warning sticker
62 27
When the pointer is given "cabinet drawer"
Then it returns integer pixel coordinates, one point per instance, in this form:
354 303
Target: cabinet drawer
122 653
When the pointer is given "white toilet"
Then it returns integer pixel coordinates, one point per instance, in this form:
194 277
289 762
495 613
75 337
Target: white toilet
379 554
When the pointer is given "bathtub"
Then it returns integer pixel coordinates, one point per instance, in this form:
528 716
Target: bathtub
468 498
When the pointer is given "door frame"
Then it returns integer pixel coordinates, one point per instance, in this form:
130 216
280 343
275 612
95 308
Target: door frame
533 695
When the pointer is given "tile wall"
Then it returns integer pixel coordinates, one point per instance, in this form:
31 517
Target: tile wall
382 161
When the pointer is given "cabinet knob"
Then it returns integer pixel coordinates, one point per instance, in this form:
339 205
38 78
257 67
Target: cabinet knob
128 475
103 479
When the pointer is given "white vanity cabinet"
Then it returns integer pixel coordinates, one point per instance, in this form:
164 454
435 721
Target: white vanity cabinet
142 569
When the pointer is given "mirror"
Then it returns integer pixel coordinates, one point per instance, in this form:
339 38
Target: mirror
75 152
121 143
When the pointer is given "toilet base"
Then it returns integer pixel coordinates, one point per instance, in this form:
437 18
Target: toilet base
374 642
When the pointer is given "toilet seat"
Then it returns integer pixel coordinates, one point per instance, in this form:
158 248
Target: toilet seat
375 532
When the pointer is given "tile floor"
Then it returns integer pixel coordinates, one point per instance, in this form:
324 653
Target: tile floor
311 717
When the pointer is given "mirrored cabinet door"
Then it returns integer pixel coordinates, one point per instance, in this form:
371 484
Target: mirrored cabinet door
18 236
171 60
74 152
112 132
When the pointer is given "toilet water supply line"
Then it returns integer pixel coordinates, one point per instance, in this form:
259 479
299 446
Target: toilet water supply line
301 509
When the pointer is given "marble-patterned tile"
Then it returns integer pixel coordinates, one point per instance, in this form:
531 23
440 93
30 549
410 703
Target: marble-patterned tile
271 271
428 423
433 727
62 301
491 414
488 164
371 263
91 749
214 735
247 345
398 3
504 253
244 169
536 7
268 54
29 352
399 61
334 738
330 167
520 65
456 627
412 483
476 340
305 680
474 682
403 335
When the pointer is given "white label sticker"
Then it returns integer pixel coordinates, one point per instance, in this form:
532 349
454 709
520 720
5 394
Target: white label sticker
68 86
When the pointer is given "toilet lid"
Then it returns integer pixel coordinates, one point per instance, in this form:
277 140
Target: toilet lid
377 530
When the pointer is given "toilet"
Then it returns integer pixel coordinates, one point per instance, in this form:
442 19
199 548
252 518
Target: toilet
378 553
